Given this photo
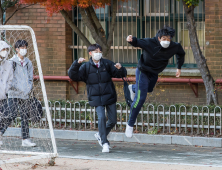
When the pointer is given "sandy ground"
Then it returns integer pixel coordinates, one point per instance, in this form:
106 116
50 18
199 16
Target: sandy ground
79 164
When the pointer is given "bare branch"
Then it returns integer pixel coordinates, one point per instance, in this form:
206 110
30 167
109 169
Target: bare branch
15 12
75 28
97 23
89 23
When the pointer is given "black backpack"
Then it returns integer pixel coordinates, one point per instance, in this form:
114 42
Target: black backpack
127 92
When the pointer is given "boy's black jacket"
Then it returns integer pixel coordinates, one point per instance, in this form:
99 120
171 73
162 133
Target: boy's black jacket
100 88
155 58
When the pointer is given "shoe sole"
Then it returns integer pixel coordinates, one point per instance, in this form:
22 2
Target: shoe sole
105 151
128 136
28 146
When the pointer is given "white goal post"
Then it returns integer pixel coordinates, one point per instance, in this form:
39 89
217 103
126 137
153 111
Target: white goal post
15 32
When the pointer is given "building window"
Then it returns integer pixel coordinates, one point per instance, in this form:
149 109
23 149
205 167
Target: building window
143 18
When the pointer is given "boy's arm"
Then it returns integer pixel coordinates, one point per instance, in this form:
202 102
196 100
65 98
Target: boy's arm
117 70
30 75
180 56
10 78
77 71
142 43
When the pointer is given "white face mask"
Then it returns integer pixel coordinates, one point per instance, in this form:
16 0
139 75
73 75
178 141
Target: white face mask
23 52
97 56
165 44
4 54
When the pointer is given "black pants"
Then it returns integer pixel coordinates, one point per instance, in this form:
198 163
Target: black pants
15 106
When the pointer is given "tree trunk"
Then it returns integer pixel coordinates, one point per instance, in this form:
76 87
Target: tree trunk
211 94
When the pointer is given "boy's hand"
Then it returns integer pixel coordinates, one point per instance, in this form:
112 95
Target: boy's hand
118 66
129 38
81 60
178 72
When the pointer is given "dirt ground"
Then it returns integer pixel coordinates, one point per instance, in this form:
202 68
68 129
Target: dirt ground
79 164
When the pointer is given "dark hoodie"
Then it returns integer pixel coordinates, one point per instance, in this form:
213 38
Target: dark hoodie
155 58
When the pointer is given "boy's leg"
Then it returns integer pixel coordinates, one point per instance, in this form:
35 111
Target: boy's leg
4 113
100 110
24 118
152 81
24 111
142 83
10 113
112 117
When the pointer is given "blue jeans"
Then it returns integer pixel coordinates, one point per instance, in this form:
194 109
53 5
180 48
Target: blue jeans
105 128
145 82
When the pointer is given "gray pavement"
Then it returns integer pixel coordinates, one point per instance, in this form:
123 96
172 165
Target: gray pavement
147 153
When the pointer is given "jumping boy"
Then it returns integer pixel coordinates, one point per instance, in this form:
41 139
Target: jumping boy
156 53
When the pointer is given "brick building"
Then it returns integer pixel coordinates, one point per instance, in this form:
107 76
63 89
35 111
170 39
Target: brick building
59 46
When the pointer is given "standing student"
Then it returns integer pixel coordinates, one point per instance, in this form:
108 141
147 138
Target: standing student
19 92
97 74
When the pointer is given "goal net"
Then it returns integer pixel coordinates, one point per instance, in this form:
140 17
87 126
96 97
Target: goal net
25 127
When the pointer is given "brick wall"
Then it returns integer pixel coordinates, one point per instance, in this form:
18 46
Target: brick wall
213 33
53 38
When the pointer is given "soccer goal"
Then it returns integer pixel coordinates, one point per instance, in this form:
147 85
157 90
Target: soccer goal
27 87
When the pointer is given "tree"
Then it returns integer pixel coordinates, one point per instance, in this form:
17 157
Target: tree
6 4
89 18
211 94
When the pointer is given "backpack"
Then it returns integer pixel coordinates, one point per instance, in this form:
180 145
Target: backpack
127 92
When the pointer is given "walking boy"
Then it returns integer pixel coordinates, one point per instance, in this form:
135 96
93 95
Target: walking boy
97 74
20 90
156 53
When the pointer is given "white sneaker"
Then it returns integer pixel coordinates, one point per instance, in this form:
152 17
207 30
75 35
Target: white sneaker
132 94
1 138
105 147
98 139
129 131
27 142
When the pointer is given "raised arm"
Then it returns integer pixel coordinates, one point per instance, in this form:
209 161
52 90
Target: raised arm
142 43
117 70
77 71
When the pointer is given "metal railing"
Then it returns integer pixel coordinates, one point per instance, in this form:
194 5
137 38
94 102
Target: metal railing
162 119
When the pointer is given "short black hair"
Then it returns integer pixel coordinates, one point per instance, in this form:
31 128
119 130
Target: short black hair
21 43
93 47
166 31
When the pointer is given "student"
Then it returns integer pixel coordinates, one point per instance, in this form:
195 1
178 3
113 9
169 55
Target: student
97 74
6 76
19 92
156 53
